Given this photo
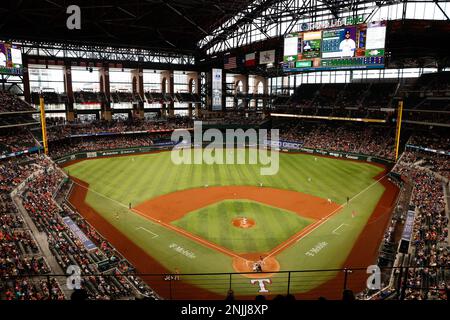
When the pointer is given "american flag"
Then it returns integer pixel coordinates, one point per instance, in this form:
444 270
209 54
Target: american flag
230 63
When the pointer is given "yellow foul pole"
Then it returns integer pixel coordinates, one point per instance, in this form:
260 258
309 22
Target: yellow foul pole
43 124
399 127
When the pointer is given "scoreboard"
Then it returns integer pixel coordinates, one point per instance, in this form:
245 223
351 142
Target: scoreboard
360 46
10 59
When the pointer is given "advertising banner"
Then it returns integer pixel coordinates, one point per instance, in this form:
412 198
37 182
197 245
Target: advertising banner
88 244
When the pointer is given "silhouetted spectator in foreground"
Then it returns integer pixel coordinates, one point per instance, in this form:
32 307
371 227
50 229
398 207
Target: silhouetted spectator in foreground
278 298
348 295
230 295
290 297
78 295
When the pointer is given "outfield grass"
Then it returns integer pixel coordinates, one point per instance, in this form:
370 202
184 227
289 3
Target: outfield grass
116 182
214 223
135 179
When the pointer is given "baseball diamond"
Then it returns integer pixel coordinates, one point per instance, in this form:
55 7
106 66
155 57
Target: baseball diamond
290 214
254 151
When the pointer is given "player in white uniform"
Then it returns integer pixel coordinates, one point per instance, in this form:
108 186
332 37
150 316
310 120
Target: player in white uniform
347 46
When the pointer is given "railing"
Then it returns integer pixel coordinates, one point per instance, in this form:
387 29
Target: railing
302 284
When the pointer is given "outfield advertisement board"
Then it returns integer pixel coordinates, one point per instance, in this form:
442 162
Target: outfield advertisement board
284 144
350 156
287 146
114 152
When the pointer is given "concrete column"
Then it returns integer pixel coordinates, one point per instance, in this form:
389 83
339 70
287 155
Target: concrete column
105 88
192 83
198 106
167 85
137 79
243 78
265 83
70 112
26 82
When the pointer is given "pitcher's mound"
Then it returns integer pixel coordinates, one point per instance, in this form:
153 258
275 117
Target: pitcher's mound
247 262
243 222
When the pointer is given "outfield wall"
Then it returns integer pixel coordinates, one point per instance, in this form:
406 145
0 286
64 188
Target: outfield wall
111 152
169 146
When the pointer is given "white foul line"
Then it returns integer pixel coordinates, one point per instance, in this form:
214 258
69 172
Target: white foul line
342 224
314 226
154 234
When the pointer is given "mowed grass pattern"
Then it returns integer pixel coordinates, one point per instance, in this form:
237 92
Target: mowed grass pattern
214 223
116 182
135 179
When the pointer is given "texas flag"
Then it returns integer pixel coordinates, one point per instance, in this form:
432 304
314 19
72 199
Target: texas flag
250 59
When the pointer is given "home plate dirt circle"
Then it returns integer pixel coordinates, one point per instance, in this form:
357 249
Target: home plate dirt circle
243 222
245 262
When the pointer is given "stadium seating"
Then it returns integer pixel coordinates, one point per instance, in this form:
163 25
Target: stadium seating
15 140
20 255
87 97
427 173
348 138
11 103
50 98
43 197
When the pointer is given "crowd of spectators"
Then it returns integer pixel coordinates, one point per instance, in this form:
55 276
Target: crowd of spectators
233 118
124 97
353 100
11 103
57 130
186 97
375 141
19 253
50 98
39 202
20 256
436 142
58 149
25 288
433 83
88 97
123 271
426 280
370 140
14 140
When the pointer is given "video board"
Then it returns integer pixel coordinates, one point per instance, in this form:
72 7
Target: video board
360 46
10 59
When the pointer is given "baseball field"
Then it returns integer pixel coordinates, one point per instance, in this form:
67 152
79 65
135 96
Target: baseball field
316 213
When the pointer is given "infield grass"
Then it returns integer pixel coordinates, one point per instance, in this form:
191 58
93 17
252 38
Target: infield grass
214 223
116 182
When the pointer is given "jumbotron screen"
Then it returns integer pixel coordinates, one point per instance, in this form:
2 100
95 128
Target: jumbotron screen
359 46
10 59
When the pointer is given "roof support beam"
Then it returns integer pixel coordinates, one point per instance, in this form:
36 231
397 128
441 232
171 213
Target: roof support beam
186 18
440 8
